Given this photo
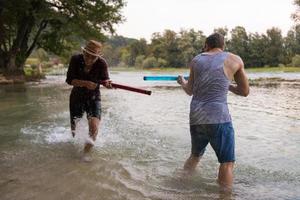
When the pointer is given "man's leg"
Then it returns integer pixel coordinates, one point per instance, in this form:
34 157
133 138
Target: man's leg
225 176
93 131
76 112
74 122
199 142
191 163
93 110
73 128
223 144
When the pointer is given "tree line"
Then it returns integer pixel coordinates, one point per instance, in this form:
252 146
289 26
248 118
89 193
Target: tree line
171 49
60 27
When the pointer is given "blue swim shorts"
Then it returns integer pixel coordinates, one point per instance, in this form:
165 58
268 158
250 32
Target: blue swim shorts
220 136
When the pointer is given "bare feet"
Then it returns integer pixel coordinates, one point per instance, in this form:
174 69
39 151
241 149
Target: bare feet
86 157
87 151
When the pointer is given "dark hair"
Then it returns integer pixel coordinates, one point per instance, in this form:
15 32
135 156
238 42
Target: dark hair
215 40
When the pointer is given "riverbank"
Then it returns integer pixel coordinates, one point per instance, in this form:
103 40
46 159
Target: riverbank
267 73
272 69
274 82
250 70
20 79
11 79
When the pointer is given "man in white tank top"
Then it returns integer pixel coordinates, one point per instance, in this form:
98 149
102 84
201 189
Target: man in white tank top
209 81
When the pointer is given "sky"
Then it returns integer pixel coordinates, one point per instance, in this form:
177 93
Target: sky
145 17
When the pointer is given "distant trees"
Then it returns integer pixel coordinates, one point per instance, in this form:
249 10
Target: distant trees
239 43
296 15
171 49
54 25
60 26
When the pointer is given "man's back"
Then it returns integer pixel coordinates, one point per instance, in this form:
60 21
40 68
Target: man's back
210 88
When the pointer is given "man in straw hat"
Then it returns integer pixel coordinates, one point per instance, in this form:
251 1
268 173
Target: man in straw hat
85 72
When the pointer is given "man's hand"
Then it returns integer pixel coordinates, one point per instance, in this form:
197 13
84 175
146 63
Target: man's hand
82 83
107 84
90 85
180 80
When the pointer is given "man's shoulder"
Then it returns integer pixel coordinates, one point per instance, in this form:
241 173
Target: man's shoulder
234 58
234 61
77 56
197 57
102 61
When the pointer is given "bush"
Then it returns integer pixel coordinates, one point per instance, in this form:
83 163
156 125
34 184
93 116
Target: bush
161 63
150 62
28 71
47 65
34 66
32 61
296 61
139 61
122 64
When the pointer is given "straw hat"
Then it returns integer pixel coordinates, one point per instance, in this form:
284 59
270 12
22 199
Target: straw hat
93 48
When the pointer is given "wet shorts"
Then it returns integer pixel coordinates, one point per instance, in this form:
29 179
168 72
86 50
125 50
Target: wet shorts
91 107
220 137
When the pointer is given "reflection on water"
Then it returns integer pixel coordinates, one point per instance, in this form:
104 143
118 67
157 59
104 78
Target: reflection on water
142 145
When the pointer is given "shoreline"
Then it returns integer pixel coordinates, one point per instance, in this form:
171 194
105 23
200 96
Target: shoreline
20 79
256 76
248 70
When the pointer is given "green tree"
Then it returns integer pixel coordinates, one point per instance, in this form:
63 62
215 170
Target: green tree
156 46
296 61
161 63
117 49
166 47
190 43
273 53
289 46
55 26
257 45
111 55
139 61
297 39
136 48
296 15
125 57
239 43
150 62
41 54
119 41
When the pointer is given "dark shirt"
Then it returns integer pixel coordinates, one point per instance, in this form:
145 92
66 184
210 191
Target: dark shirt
97 73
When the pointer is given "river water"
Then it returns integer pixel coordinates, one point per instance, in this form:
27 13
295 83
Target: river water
143 143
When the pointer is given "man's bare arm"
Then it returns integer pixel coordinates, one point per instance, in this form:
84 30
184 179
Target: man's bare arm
242 86
187 86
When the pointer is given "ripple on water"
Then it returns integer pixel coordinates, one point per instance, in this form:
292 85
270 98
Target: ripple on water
142 145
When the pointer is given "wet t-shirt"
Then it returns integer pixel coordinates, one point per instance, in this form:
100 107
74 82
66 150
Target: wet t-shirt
97 73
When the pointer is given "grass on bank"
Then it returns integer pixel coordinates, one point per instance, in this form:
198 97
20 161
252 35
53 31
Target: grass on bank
62 70
273 69
135 69
186 70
